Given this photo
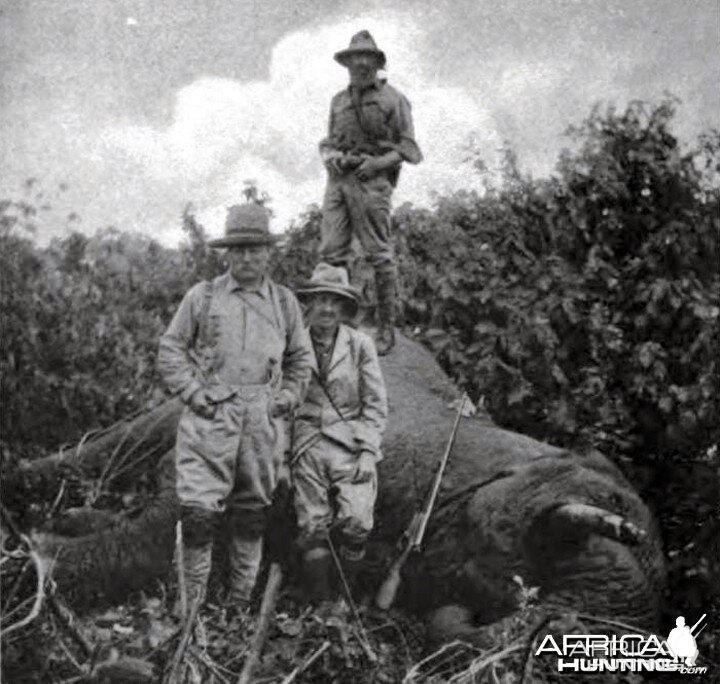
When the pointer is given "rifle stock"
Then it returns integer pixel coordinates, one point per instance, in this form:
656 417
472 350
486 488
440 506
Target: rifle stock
387 593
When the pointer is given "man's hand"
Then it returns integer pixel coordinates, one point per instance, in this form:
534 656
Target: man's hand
334 161
283 475
365 467
281 405
201 404
370 168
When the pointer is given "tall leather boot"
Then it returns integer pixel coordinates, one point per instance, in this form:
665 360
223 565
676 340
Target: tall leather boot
317 564
386 290
247 527
198 527
352 557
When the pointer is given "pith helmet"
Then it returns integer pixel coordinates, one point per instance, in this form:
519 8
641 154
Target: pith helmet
246 224
332 279
362 41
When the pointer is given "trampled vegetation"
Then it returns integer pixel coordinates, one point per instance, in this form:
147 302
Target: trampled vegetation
583 309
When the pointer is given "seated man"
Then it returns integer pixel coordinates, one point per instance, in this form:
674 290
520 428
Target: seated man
337 432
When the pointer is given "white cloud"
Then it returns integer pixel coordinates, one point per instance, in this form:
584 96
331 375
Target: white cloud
224 132
516 71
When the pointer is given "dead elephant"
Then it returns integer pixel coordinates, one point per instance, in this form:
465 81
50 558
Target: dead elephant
509 506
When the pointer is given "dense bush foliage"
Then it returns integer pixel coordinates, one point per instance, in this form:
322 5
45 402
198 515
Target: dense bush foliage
583 308
81 320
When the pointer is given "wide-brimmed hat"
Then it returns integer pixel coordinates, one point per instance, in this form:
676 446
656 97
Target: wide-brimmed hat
246 224
332 279
362 41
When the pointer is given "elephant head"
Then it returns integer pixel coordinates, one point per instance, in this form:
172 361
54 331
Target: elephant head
570 525
512 508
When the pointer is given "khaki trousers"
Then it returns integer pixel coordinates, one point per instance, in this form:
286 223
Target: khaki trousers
326 496
359 208
231 458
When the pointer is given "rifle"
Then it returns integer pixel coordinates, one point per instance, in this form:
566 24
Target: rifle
415 531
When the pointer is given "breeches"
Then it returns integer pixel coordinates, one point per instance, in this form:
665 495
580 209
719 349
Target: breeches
231 459
360 208
326 497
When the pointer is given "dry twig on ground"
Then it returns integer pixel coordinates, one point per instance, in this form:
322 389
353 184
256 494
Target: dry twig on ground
41 571
177 660
306 663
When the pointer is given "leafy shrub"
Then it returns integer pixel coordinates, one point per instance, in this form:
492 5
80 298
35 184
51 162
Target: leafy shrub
584 308
294 259
81 319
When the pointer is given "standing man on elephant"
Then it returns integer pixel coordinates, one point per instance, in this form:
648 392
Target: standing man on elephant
370 134
337 432
239 356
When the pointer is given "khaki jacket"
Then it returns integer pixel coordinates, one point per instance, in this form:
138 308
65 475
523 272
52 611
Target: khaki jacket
352 409
224 336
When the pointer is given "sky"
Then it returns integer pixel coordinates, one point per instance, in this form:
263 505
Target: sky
138 107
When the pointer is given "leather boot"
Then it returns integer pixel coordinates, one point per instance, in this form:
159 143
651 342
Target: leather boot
316 574
197 531
385 287
352 558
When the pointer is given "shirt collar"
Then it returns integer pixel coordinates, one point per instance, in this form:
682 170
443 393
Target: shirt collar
263 288
325 343
375 85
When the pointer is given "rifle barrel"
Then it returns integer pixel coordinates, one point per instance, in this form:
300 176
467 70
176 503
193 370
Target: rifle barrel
438 477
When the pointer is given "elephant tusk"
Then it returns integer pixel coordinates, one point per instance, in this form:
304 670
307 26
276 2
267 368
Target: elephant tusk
600 521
